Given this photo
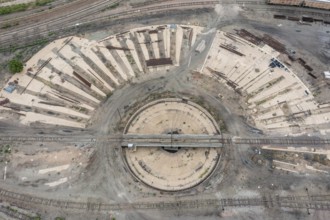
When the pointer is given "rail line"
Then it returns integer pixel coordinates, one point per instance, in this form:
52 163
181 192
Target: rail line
14 213
159 139
93 8
295 202
165 7
4 37
38 14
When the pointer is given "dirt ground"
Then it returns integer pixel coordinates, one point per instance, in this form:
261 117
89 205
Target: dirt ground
97 173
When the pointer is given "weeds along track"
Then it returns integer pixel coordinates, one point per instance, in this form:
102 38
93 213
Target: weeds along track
87 8
317 202
61 23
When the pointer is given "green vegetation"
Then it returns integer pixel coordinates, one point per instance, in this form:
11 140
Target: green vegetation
320 158
109 94
59 218
5 149
13 48
11 209
51 33
43 2
13 8
114 5
15 66
23 6
110 7
130 59
203 174
222 126
261 102
275 81
268 154
8 25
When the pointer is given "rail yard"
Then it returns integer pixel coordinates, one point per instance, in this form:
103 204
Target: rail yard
164 109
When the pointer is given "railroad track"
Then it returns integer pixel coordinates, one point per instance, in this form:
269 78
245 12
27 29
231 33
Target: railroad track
295 202
158 139
281 141
93 8
6 38
294 10
40 14
14 213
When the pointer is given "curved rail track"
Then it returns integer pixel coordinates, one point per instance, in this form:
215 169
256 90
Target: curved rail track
317 202
59 24
37 15
91 9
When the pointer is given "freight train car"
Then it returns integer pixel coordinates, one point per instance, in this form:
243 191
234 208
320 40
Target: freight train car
320 4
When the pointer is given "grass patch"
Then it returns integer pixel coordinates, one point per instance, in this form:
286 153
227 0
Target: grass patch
43 2
110 7
14 8
23 6
13 48
9 25
114 5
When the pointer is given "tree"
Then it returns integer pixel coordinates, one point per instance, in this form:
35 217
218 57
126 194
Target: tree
15 66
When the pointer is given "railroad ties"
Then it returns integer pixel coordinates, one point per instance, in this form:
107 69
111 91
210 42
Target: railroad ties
282 141
184 140
318 202
63 139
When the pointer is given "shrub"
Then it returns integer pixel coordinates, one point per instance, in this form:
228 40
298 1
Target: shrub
15 66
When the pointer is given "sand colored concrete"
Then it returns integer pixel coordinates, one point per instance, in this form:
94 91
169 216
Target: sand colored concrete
54 169
89 53
135 55
64 72
31 117
167 42
154 39
114 42
58 182
165 170
273 94
141 40
161 118
178 44
112 60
